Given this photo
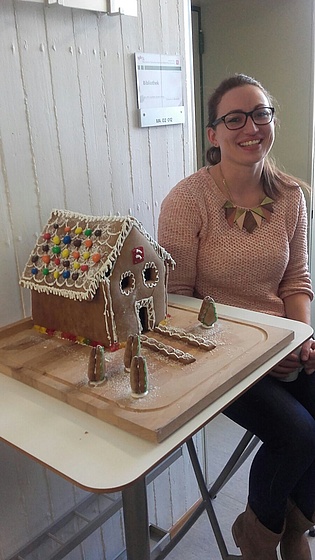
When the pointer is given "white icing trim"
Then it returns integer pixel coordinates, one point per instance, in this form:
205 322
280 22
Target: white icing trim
129 289
108 313
91 283
150 283
149 304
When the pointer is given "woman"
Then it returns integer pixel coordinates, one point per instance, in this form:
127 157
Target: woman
237 230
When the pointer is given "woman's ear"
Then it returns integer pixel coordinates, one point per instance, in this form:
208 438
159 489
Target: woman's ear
212 137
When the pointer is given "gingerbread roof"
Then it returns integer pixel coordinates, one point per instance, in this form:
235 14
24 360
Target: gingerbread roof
75 252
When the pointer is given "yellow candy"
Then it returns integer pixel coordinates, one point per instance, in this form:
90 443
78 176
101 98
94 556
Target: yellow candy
56 240
76 265
56 274
86 255
65 253
78 230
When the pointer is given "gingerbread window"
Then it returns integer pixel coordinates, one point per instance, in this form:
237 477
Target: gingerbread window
150 275
127 283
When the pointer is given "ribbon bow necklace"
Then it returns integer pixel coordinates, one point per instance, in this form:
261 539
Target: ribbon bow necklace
247 218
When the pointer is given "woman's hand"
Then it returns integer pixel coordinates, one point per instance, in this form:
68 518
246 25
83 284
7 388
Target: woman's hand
305 357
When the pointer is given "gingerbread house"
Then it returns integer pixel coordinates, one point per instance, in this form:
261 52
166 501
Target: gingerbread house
97 278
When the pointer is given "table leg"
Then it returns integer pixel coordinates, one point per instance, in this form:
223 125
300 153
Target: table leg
135 509
207 503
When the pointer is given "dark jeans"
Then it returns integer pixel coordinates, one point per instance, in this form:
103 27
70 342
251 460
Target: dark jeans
282 415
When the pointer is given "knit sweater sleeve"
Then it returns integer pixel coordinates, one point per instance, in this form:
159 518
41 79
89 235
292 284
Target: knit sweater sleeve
296 278
180 223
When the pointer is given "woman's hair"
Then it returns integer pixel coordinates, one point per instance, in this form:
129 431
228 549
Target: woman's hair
272 177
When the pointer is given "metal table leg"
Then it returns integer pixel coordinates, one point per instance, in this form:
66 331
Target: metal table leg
207 503
135 509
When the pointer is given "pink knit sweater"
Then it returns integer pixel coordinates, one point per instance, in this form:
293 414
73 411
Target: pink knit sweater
251 270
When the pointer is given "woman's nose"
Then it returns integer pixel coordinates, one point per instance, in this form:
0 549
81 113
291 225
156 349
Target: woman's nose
250 126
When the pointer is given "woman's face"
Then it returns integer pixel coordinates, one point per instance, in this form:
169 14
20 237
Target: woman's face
248 145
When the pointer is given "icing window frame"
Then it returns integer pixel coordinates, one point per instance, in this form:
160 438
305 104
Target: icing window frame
151 282
127 283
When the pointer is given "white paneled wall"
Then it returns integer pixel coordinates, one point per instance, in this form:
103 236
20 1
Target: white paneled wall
69 123
69 138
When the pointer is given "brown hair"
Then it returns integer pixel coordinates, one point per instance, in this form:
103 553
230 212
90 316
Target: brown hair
272 177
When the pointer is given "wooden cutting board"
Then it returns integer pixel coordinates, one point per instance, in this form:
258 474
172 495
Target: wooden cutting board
177 392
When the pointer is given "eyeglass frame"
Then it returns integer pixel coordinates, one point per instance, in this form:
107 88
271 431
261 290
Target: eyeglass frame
247 114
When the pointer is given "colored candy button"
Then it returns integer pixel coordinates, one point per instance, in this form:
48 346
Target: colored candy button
96 257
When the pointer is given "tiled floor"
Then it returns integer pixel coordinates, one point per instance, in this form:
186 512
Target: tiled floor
199 543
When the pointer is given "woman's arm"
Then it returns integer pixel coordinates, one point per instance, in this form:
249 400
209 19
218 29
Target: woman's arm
298 308
178 232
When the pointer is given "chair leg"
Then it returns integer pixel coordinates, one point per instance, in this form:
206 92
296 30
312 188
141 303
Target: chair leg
247 444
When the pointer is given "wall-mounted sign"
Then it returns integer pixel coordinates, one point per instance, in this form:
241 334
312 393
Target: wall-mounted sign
112 7
160 90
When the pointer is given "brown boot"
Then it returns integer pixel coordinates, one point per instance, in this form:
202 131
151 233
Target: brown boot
254 539
294 544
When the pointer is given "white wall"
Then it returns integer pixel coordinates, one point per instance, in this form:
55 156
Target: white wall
68 122
272 41
69 138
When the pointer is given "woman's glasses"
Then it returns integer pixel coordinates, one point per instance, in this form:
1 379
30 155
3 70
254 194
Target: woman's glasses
238 119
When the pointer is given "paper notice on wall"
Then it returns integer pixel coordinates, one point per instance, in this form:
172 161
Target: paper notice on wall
159 89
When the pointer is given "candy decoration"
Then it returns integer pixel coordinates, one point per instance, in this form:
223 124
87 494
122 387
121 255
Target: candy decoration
88 232
34 270
45 248
67 229
76 265
67 239
65 253
74 338
34 258
78 230
84 267
47 236
56 240
86 255
46 259
96 257
132 348
207 313
77 242
56 250
97 365
88 243
45 271
66 274
139 376
56 274
98 233
75 254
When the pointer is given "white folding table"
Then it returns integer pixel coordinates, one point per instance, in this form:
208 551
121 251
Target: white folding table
101 458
